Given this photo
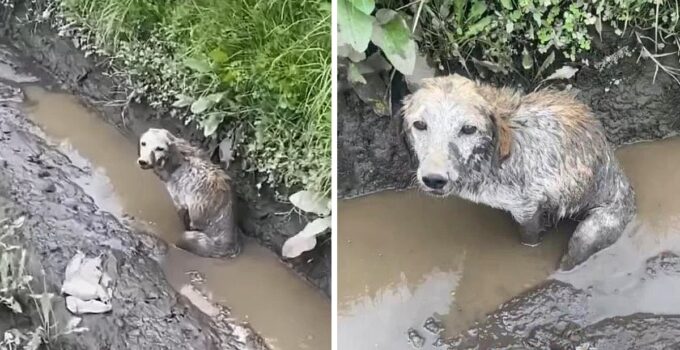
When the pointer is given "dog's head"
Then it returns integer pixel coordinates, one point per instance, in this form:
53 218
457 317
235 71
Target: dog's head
155 147
453 131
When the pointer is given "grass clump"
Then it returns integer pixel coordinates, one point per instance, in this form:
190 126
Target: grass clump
14 286
260 67
17 295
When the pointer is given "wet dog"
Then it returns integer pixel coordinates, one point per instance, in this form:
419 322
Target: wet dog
200 190
541 156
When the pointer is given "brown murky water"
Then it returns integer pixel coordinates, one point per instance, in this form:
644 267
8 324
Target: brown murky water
405 256
287 312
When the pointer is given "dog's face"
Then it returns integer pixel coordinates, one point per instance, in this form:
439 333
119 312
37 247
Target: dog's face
451 133
154 148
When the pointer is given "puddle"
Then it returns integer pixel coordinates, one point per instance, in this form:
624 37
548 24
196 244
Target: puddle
257 287
446 257
406 256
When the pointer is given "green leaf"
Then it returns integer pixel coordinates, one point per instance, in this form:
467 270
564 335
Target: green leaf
306 239
310 202
218 56
459 10
201 105
384 16
478 27
394 38
200 66
349 52
183 101
477 10
507 4
527 60
216 98
548 61
354 75
365 6
211 123
354 26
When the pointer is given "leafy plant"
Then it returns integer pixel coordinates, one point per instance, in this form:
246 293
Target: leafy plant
262 66
305 240
15 283
524 36
387 29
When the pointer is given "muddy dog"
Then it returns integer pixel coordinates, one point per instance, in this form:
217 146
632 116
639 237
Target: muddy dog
200 190
541 156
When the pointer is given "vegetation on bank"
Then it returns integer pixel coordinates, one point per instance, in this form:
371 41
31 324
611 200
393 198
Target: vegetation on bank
253 71
18 297
523 36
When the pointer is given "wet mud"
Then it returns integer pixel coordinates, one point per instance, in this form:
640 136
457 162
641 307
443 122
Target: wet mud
117 185
426 272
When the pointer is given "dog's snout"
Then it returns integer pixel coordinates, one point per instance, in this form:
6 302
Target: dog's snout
436 182
142 162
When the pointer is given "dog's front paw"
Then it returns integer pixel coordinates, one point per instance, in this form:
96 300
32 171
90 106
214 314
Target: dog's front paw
530 239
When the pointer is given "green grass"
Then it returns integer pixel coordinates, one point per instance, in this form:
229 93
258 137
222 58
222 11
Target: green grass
522 35
260 65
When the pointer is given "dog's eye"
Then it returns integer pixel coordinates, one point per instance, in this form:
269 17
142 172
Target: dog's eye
160 149
468 129
419 125
143 144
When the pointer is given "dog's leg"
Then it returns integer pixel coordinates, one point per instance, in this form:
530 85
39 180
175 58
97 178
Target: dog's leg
184 216
600 229
532 226
201 244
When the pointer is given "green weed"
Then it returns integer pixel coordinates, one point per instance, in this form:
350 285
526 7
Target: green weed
527 35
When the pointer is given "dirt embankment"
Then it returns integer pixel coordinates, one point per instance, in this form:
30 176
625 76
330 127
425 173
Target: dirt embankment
89 78
37 183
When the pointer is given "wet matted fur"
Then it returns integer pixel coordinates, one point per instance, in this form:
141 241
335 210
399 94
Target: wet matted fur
541 156
200 190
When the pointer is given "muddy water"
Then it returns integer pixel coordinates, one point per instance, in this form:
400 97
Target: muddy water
257 287
405 257
616 278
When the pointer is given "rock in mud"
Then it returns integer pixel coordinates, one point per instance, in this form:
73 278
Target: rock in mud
666 262
415 339
10 94
146 312
433 325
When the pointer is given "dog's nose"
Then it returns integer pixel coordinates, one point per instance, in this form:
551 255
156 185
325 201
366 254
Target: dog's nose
142 162
436 182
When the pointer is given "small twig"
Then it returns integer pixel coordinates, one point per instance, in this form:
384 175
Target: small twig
407 5
674 73
415 20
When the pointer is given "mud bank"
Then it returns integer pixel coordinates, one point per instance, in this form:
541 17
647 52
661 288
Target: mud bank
37 182
90 78
373 155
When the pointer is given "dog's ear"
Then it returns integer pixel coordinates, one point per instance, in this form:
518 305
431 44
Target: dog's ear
503 134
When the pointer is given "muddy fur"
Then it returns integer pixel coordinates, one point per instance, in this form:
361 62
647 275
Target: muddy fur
200 190
541 156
